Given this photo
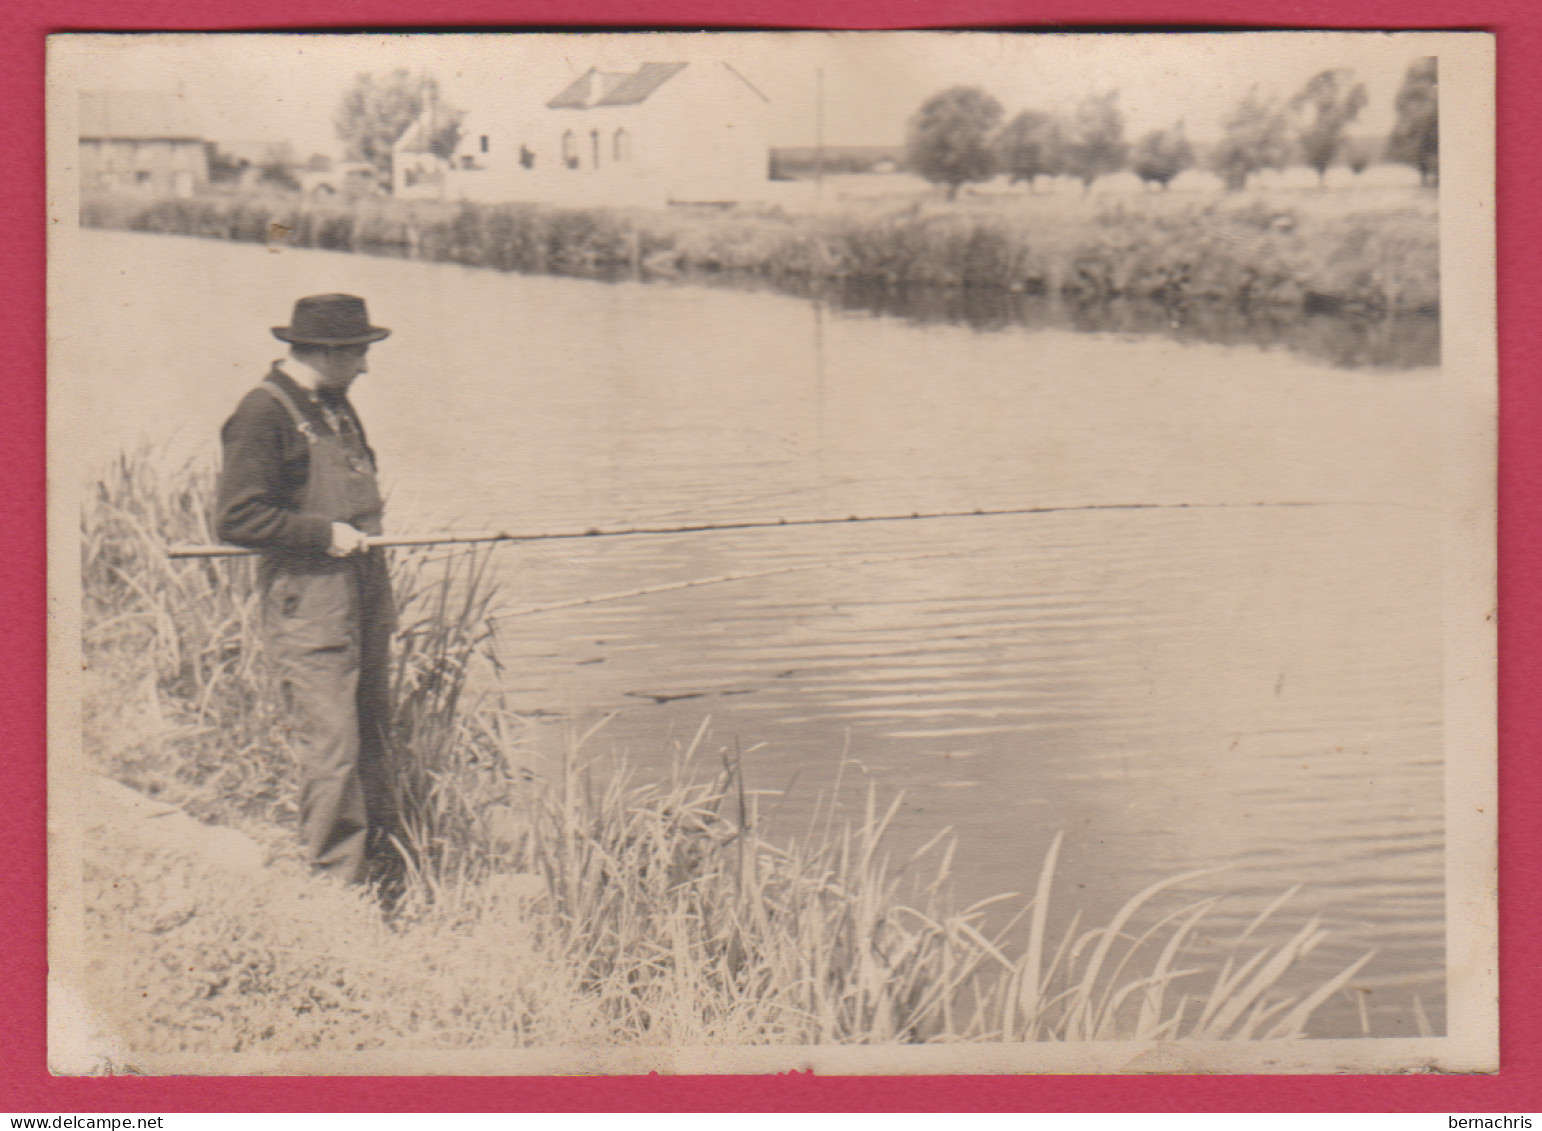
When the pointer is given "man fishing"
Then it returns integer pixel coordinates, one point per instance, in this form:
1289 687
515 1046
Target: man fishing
298 486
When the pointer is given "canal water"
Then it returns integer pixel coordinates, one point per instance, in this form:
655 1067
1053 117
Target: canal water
1214 683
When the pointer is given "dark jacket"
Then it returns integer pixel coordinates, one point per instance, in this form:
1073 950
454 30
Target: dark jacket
266 463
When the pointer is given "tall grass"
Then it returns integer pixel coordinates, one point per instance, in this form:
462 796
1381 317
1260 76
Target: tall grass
1257 254
184 636
677 909
685 915
178 640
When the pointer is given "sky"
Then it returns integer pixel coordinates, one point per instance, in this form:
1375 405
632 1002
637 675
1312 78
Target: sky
856 88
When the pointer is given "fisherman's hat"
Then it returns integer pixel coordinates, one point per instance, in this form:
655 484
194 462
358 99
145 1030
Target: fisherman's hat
330 320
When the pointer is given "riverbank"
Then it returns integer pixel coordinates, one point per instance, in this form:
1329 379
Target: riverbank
1331 251
666 911
203 941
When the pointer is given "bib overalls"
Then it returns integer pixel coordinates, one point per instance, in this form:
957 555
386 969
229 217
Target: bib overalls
327 624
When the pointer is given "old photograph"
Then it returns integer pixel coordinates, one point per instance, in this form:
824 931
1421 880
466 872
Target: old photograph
873 552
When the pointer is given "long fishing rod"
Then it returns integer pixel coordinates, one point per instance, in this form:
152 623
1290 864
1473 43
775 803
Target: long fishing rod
392 540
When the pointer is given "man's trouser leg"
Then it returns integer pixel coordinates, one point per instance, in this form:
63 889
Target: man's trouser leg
321 686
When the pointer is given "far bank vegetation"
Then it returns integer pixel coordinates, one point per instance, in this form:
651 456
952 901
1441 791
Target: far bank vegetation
1246 252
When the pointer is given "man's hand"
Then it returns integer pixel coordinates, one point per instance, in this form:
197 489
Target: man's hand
346 541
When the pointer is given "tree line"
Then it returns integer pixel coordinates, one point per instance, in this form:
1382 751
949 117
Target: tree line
958 136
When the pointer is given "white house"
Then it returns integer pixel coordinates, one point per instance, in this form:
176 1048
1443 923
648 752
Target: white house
665 132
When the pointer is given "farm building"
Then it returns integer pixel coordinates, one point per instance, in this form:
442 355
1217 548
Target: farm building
140 140
663 132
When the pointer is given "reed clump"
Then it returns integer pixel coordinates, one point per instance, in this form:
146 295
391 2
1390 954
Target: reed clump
180 705
179 642
1256 254
561 899
684 917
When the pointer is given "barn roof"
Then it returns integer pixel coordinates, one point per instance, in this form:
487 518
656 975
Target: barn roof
138 115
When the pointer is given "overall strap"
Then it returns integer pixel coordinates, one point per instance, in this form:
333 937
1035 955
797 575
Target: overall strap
301 422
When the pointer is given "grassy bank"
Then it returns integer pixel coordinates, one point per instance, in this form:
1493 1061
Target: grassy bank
1256 252
665 910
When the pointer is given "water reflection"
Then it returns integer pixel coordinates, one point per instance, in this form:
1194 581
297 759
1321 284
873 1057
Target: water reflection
1403 341
1346 340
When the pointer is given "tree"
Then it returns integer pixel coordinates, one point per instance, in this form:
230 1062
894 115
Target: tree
374 111
1161 155
1415 137
224 168
1030 146
1323 107
276 166
1255 136
1095 143
949 138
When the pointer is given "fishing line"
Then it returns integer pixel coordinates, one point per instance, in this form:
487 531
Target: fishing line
696 582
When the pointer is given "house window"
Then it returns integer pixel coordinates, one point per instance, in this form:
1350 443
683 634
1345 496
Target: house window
594 144
484 143
569 158
620 145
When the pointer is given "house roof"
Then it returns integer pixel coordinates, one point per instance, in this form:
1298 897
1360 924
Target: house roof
638 86
596 88
574 96
137 115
